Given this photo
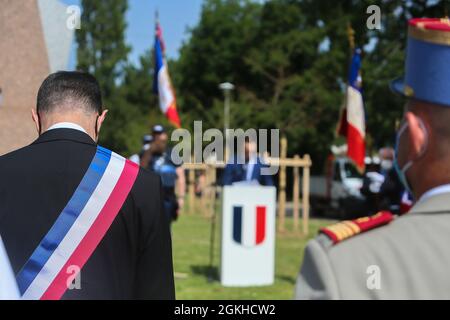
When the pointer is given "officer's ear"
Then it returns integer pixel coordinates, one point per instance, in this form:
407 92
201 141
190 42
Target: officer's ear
418 134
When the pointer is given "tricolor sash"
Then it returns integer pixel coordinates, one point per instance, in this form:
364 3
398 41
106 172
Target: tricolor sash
79 228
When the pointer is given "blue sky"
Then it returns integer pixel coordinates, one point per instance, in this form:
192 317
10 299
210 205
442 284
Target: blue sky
175 17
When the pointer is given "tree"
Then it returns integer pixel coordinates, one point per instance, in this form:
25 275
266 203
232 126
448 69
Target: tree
213 55
289 61
287 58
102 52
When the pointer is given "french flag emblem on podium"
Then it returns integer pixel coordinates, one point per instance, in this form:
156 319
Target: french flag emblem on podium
248 236
249 227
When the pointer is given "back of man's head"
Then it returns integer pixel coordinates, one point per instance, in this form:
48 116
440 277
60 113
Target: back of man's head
70 97
69 91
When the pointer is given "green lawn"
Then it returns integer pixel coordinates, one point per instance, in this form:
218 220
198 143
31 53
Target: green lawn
191 234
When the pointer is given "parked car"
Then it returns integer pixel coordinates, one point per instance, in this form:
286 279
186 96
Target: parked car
337 193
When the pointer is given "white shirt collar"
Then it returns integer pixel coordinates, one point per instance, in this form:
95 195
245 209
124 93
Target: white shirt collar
67 125
445 188
250 166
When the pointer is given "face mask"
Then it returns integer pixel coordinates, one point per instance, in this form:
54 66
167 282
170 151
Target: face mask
401 172
386 165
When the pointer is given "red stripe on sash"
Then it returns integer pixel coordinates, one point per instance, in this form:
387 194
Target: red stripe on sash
260 224
96 233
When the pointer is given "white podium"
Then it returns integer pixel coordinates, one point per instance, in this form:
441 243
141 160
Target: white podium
248 236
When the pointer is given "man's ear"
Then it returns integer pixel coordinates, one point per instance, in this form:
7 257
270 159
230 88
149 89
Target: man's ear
36 121
417 133
100 120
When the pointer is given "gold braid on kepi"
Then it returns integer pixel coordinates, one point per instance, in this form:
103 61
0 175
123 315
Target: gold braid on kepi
435 31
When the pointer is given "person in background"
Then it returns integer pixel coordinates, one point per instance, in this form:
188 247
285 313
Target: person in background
247 169
146 141
158 159
391 191
387 160
372 182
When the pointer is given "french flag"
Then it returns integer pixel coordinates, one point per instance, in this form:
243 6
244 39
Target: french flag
162 85
352 124
249 229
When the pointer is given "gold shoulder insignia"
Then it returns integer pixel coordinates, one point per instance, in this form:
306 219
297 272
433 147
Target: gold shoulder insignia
349 228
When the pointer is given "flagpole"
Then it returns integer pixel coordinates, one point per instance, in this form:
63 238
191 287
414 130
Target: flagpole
351 42
351 36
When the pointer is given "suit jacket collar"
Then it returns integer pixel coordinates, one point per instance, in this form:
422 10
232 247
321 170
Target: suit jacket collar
65 134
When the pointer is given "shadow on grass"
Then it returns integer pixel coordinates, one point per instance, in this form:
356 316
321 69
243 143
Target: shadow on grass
287 279
210 273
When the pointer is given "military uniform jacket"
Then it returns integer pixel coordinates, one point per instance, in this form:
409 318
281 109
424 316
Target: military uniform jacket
133 260
408 258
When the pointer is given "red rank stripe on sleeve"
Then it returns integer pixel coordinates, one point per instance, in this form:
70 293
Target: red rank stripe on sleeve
347 229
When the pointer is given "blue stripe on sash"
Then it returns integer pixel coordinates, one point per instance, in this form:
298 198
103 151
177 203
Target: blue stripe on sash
237 224
65 220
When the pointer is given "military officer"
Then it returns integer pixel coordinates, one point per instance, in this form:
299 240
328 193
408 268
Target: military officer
383 257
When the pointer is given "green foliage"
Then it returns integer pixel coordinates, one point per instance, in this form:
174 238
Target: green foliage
102 51
101 43
287 58
289 61
127 89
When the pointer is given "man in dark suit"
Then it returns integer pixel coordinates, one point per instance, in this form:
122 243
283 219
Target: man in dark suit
133 260
248 169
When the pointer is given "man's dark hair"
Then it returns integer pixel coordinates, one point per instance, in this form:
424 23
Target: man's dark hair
69 90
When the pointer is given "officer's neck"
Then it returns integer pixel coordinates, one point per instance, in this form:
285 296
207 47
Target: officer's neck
436 175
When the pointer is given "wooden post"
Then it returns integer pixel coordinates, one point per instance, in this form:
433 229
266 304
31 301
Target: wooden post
204 196
204 207
305 196
191 191
212 190
296 193
207 204
282 187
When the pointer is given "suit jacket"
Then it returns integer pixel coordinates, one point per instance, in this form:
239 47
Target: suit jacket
406 259
235 172
133 260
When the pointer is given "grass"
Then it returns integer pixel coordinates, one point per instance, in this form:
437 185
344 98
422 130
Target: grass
191 236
